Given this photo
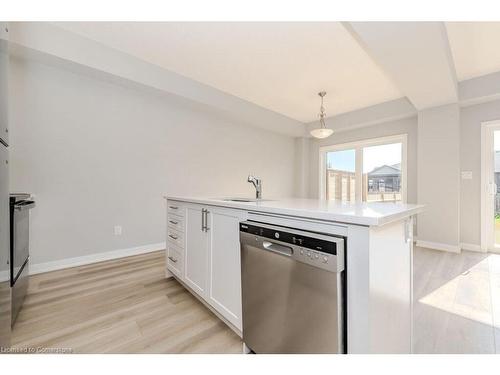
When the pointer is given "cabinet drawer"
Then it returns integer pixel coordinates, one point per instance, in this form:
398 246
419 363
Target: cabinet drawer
175 263
175 209
176 237
175 222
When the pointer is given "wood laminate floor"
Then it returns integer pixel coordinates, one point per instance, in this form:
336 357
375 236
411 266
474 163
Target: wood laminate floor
456 302
119 306
127 306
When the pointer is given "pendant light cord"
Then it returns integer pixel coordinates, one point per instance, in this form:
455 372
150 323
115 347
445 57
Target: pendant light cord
322 113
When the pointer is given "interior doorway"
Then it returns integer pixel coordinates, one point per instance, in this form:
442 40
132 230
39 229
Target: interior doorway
490 186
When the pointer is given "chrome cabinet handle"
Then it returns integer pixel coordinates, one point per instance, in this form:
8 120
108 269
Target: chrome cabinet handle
173 222
172 259
173 207
26 205
172 236
206 220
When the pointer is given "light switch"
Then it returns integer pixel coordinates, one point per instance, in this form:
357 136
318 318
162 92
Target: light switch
466 175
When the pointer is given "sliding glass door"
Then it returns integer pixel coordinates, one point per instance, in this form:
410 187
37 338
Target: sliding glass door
490 186
372 170
341 175
496 187
382 173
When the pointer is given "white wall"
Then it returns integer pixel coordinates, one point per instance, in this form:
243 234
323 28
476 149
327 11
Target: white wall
470 160
96 154
302 167
439 177
403 126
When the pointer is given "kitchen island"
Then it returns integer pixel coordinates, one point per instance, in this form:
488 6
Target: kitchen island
203 253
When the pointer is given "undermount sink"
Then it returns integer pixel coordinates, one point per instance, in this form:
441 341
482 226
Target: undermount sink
244 199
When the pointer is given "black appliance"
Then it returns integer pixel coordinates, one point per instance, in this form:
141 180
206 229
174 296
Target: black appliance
20 205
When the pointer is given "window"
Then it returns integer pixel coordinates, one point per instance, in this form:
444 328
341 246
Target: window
372 170
341 175
382 165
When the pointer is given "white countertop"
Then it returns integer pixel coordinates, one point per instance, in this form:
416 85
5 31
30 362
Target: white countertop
360 213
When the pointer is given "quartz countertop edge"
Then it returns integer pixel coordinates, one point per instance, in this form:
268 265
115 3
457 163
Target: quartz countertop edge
359 213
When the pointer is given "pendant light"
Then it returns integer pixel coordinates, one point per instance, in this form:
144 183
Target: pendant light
322 131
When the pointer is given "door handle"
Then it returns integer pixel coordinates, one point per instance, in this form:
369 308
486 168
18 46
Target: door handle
492 188
172 259
277 248
173 222
173 237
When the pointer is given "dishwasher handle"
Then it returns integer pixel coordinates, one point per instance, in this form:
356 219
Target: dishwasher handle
277 248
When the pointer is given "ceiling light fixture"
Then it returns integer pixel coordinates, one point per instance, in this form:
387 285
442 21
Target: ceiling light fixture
322 131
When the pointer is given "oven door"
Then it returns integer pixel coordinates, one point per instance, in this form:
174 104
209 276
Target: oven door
19 241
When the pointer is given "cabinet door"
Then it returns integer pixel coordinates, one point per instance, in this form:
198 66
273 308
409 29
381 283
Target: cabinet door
196 247
224 263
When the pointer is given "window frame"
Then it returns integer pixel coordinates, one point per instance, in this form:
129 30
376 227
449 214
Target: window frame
358 148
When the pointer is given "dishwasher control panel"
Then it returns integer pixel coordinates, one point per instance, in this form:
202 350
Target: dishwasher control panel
312 241
320 260
316 249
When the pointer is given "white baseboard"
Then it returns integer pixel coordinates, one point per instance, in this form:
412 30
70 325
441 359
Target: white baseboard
439 246
94 258
471 247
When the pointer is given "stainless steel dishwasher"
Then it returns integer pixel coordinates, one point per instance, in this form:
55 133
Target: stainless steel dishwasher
293 290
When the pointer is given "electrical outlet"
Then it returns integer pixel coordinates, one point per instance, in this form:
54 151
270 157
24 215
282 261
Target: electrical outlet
466 175
118 230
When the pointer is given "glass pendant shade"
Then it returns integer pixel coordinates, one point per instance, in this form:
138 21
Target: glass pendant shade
321 133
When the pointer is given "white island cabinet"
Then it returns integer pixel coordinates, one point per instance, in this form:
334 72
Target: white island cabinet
207 259
196 251
203 253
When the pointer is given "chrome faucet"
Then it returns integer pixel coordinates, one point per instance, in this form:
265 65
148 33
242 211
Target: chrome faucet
257 183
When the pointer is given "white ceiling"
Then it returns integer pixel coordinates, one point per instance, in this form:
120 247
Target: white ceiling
417 57
279 66
475 48
282 66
